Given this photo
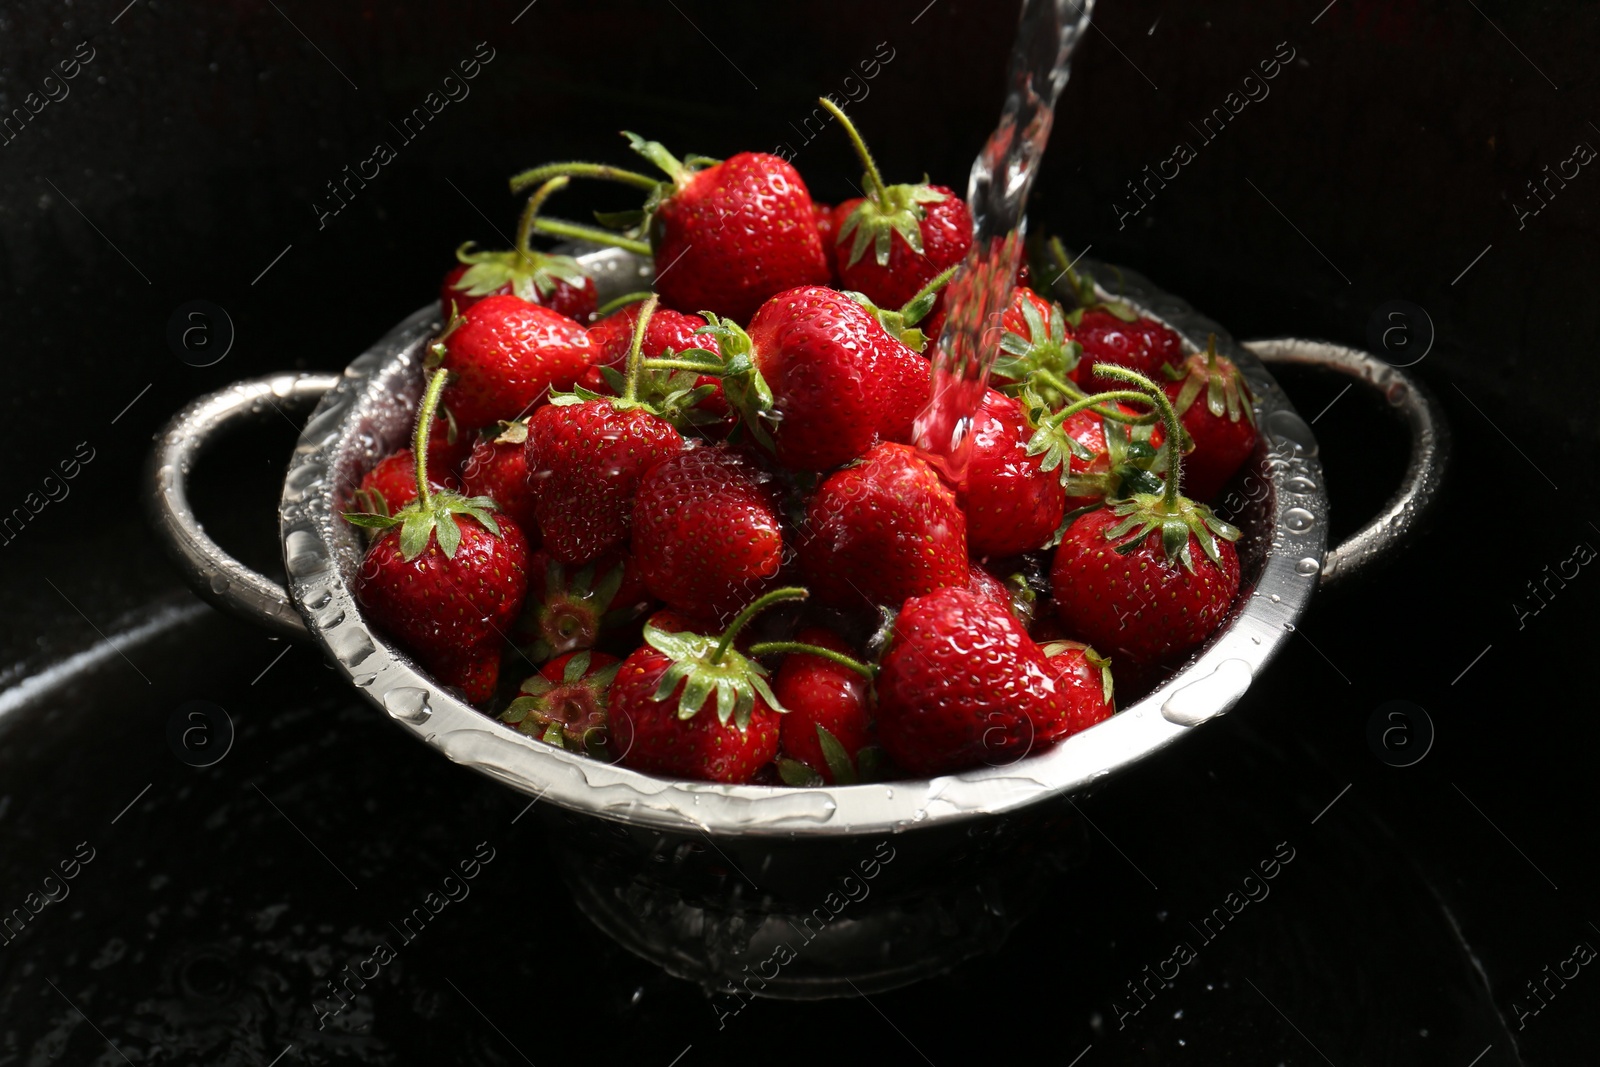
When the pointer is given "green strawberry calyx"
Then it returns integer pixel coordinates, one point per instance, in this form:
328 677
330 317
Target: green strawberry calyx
901 324
1043 358
531 274
743 387
708 666
570 713
573 609
433 513
1227 393
1176 516
1132 459
886 210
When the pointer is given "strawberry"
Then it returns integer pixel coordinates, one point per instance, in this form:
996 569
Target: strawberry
497 468
1152 576
392 483
586 455
1223 427
914 231
668 334
1109 331
827 231
1096 456
507 355
962 684
1013 505
565 703
445 578
568 608
706 531
1115 334
725 235
1014 594
829 719
1035 351
1085 678
691 706
557 282
883 530
820 371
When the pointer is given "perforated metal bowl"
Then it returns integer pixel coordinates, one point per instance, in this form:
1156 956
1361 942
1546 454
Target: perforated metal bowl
1278 500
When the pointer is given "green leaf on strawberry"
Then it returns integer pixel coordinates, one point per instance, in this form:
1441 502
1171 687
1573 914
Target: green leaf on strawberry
707 667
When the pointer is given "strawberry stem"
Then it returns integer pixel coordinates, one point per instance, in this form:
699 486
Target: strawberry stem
875 186
1169 418
630 384
684 364
620 302
937 282
601 171
1109 397
419 437
756 607
1077 396
578 232
531 213
766 648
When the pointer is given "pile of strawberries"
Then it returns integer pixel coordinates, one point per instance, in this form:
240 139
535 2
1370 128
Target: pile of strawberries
608 501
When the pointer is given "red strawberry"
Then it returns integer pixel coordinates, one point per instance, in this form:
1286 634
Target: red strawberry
568 608
690 706
392 483
725 236
448 444
829 712
565 703
1151 576
497 468
706 531
666 332
445 578
1113 333
1012 504
1015 594
823 213
1035 350
825 374
556 282
1223 426
585 461
914 231
962 684
1109 331
507 355
586 455
1085 677
883 530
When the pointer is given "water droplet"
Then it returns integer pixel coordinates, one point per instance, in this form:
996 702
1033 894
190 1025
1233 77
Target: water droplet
1308 567
303 554
362 681
350 645
1204 697
408 704
219 583
1286 426
1300 484
1299 520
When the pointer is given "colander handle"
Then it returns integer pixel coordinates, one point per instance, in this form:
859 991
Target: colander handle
1430 447
209 570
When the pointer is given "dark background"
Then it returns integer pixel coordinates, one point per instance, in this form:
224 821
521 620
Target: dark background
185 164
